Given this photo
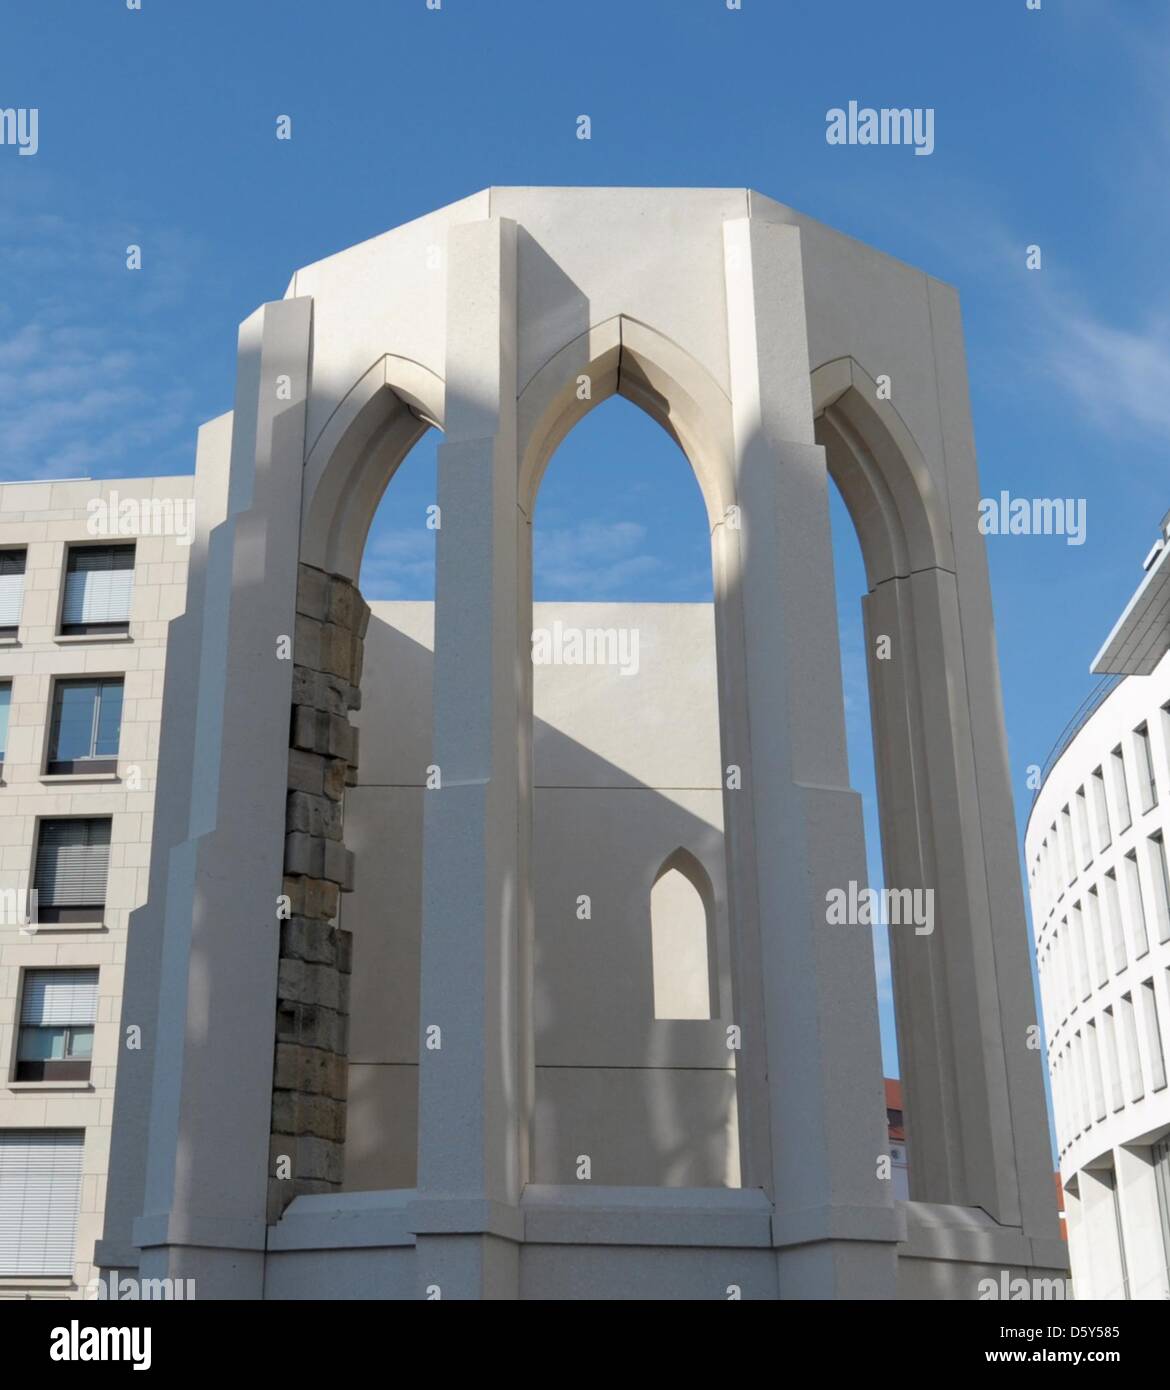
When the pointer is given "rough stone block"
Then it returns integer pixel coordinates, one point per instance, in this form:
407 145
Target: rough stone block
344 602
311 1026
306 772
340 740
301 982
308 642
311 1070
338 864
305 730
318 1158
336 778
304 686
305 854
303 938
313 587
314 815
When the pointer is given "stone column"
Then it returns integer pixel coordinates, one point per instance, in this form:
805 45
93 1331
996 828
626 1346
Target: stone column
475 1047
1002 946
949 1025
834 1225
125 1190
312 996
206 1172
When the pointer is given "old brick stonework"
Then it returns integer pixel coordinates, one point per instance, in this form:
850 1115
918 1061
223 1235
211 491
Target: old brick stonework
312 1005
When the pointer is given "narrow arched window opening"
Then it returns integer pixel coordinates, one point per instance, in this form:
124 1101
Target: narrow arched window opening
681 940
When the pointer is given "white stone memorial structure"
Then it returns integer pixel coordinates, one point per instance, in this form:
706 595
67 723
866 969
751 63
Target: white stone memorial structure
778 354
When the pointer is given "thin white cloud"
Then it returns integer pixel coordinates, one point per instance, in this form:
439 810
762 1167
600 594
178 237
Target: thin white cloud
87 351
399 564
607 560
1116 375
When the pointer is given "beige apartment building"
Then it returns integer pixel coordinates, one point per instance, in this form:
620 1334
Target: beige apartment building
90 575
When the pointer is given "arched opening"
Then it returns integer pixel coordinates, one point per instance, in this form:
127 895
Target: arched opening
849 573
384 828
370 522
682 939
900 755
632 985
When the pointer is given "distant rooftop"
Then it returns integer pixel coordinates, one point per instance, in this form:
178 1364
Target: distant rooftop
1141 636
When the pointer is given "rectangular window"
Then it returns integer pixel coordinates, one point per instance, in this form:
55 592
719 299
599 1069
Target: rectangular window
1059 1100
86 723
1081 811
1153 1036
1049 876
99 583
1147 785
1160 879
1160 1154
1066 840
1109 1179
1040 887
73 858
58 1009
1071 993
11 590
1112 909
1068 1096
1134 904
1112 1061
1101 809
1081 1071
5 707
1084 988
1096 1082
1133 1056
1096 936
1055 990
1120 791
1166 737
1055 876
40 1190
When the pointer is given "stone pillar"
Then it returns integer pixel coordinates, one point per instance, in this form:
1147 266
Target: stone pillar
204 1207
950 1042
312 993
1000 951
475 1049
834 1225
125 1190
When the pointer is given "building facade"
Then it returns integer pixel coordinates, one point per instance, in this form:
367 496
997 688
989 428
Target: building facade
1099 877
90 575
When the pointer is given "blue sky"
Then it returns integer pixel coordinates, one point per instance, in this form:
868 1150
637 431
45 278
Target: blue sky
1052 127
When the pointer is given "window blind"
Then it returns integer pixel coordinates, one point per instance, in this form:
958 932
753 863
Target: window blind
73 858
59 998
99 583
11 586
40 1188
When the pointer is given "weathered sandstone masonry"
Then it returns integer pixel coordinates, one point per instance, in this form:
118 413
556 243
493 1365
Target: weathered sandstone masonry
312 1005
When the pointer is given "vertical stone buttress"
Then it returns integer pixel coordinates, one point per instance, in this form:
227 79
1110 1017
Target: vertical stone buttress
312 1003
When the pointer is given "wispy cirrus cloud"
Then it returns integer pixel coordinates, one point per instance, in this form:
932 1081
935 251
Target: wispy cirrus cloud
399 563
600 560
1112 372
90 354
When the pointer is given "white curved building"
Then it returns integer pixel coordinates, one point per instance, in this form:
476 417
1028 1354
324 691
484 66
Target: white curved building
1099 876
